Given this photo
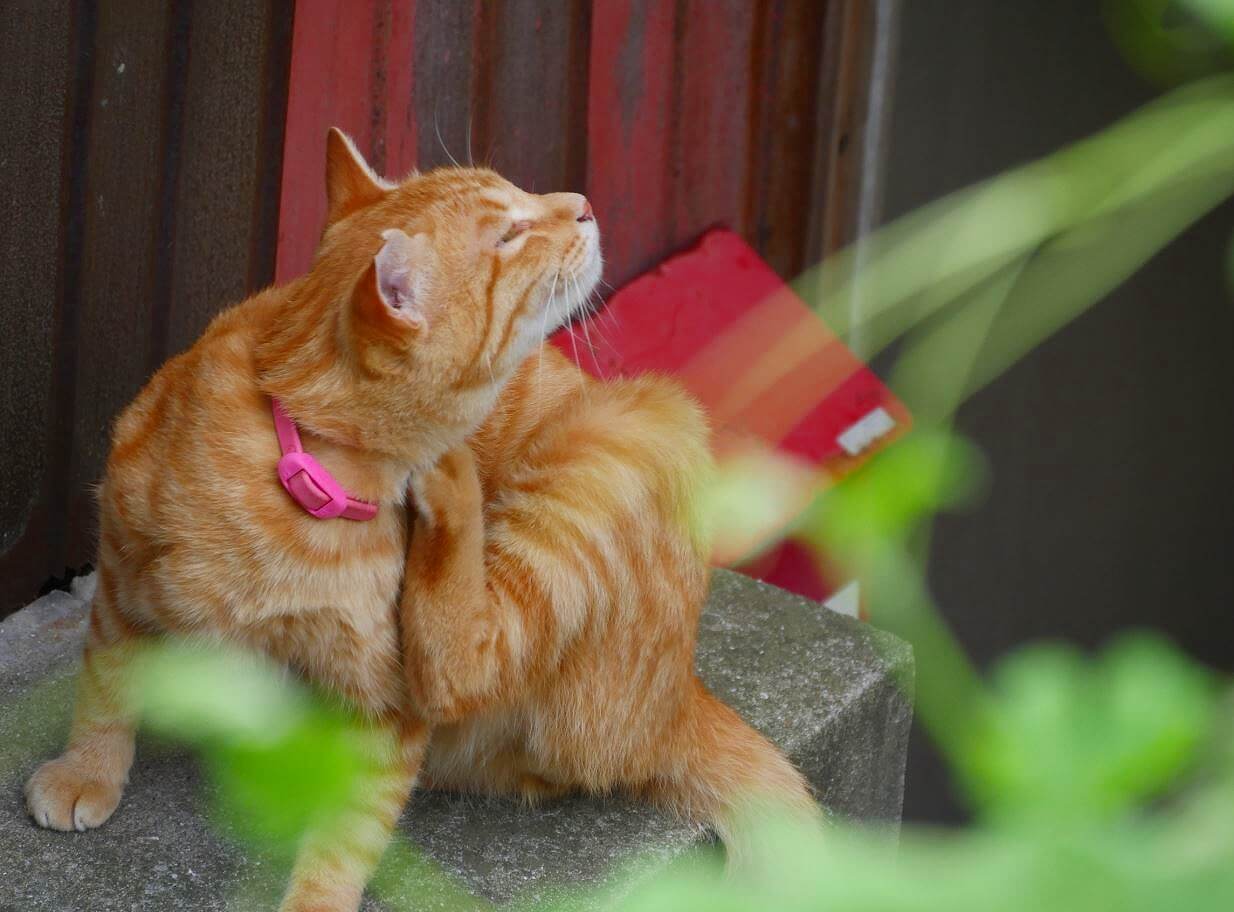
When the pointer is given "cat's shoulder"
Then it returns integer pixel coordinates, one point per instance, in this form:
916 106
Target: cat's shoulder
211 375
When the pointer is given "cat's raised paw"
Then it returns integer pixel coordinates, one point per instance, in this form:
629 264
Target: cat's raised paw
452 487
64 794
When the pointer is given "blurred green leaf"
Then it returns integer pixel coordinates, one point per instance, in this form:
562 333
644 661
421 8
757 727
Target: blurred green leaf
271 792
885 499
1171 41
195 691
1068 740
282 759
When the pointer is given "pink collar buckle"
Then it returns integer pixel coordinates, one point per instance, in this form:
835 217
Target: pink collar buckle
307 480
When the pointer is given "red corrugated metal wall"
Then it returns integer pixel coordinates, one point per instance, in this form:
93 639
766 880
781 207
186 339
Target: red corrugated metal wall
671 115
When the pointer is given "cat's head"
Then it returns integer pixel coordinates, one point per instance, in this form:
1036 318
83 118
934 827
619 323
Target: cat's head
460 274
443 284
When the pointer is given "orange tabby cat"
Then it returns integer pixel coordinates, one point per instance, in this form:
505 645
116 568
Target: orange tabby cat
551 587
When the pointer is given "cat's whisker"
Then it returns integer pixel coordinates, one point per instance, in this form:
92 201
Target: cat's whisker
604 312
574 349
566 318
606 339
444 148
591 345
603 337
582 386
544 329
587 333
470 161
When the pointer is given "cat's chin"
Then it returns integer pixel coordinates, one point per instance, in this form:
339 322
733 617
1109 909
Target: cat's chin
591 276
577 300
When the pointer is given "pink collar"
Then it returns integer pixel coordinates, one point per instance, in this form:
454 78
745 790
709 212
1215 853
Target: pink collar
307 481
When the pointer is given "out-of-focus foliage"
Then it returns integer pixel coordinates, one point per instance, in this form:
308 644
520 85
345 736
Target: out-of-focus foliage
890 496
745 507
282 757
1170 41
970 284
285 761
1072 740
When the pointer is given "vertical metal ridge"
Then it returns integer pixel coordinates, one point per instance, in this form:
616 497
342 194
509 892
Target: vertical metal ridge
275 82
484 48
578 69
68 293
382 18
176 63
675 158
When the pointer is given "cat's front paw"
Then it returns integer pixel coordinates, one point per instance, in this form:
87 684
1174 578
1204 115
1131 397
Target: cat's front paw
66 794
450 488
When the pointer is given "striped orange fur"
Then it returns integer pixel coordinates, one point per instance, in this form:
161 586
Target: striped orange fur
520 616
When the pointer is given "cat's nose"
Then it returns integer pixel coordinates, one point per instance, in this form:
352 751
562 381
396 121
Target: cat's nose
587 215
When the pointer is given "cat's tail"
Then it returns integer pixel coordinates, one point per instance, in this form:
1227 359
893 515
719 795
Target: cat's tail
729 776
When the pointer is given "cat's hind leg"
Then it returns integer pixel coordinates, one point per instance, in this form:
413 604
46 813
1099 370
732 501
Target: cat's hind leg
487 755
80 789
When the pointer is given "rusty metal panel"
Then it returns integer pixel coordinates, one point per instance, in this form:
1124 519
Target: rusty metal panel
331 84
784 125
429 84
717 91
123 204
700 114
840 111
230 152
443 77
673 115
629 121
36 82
530 107
145 171
395 75
173 205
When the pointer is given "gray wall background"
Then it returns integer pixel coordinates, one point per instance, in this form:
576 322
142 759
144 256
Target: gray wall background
1112 500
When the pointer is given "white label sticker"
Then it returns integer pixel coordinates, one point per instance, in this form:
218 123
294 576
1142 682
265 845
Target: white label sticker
865 431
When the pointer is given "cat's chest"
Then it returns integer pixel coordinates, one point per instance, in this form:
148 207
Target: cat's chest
335 564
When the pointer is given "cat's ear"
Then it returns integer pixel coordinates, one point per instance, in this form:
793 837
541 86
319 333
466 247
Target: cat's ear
396 268
350 183
390 300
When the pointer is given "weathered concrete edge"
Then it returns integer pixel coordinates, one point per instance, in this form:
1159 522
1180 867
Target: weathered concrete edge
882 706
25 645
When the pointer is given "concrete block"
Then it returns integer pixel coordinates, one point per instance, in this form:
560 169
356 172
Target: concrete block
826 688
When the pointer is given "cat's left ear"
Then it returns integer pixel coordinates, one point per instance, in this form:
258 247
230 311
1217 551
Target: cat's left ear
397 274
390 301
350 183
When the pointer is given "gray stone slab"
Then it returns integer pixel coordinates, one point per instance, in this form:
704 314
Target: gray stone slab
824 687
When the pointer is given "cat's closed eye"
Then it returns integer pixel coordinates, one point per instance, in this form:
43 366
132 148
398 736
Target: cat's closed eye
515 229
